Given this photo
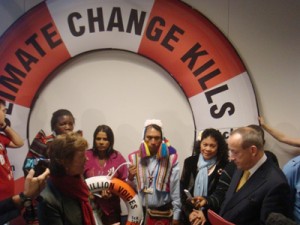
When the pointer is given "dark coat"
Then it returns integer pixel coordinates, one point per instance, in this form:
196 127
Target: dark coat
56 208
266 191
188 178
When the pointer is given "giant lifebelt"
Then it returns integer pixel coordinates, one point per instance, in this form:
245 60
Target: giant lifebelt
169 32
124 191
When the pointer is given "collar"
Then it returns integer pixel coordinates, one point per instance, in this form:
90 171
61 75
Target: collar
257 165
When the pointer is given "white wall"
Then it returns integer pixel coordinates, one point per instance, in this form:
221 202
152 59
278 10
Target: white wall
265 34
119 89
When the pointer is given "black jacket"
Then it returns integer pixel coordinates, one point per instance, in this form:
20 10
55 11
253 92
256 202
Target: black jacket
8 210
188 178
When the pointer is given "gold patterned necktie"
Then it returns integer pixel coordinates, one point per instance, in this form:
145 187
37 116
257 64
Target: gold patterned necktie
243 179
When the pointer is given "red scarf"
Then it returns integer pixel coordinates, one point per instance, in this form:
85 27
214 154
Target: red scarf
79 190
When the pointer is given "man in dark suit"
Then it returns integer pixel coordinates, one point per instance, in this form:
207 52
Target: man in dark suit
266 189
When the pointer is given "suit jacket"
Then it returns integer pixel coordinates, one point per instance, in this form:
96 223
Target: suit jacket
266 191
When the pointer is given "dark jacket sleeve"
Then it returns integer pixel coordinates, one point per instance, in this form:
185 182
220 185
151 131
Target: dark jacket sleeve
8 210
215 200
187 182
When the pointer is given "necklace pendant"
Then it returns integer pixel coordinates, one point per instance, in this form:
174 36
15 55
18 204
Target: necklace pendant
150 179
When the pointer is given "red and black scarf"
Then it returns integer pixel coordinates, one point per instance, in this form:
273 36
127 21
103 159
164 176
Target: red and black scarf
79 191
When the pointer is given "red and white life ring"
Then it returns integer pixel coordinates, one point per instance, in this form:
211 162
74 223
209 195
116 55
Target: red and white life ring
124 191
169 32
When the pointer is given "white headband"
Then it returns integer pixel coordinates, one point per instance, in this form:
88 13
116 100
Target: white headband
150 122
153 121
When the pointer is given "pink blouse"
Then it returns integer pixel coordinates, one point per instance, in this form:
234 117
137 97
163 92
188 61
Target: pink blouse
93 168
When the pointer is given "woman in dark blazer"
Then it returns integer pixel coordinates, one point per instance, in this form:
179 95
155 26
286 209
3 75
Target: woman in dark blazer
202 170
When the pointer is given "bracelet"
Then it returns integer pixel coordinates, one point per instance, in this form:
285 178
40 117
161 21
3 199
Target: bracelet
3 128
25 201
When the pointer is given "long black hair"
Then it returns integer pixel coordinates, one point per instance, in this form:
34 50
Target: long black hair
222 151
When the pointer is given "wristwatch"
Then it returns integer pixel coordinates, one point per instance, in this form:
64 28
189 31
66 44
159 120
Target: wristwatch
25 201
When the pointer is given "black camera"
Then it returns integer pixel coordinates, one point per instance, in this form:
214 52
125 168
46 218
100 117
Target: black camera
40 165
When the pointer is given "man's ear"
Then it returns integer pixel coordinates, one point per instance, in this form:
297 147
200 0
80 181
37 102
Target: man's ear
254 150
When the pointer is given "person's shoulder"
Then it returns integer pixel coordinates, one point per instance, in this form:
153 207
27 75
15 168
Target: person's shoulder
294 161
292 166
52 198
229 169
50 194
273 173
191 158
4 138
40 134
41 137
173 156
89 152
117 152
133 155
136 152
222 162
119 155
172 150
271 156
220 166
